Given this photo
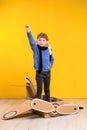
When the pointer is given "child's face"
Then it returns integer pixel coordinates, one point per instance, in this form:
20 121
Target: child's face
42 42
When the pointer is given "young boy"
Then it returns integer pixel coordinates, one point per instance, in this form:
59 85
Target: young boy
43 61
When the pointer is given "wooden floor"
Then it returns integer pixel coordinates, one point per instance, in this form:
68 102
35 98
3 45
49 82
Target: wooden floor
35 122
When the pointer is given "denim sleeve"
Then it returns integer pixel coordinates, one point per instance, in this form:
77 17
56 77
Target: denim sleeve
32 41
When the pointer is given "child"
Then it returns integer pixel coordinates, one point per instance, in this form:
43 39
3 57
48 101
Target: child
43 61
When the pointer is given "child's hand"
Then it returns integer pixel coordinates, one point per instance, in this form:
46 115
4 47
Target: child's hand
27 27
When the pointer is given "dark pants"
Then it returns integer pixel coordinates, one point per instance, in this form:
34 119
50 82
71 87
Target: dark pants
43 77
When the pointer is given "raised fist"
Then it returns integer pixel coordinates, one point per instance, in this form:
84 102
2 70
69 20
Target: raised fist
28 27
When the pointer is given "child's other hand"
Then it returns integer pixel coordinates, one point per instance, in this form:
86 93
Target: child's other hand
27 27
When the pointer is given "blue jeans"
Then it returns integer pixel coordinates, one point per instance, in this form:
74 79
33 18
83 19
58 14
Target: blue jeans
43 78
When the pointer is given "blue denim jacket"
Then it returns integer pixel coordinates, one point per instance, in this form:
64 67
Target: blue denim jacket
47 62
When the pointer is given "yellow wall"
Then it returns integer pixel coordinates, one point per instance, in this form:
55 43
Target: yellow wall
65 22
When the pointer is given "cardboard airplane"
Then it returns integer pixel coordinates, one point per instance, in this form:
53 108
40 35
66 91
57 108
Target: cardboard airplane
55 107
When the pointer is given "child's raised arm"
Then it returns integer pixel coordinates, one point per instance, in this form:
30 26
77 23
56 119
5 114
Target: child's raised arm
30 37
